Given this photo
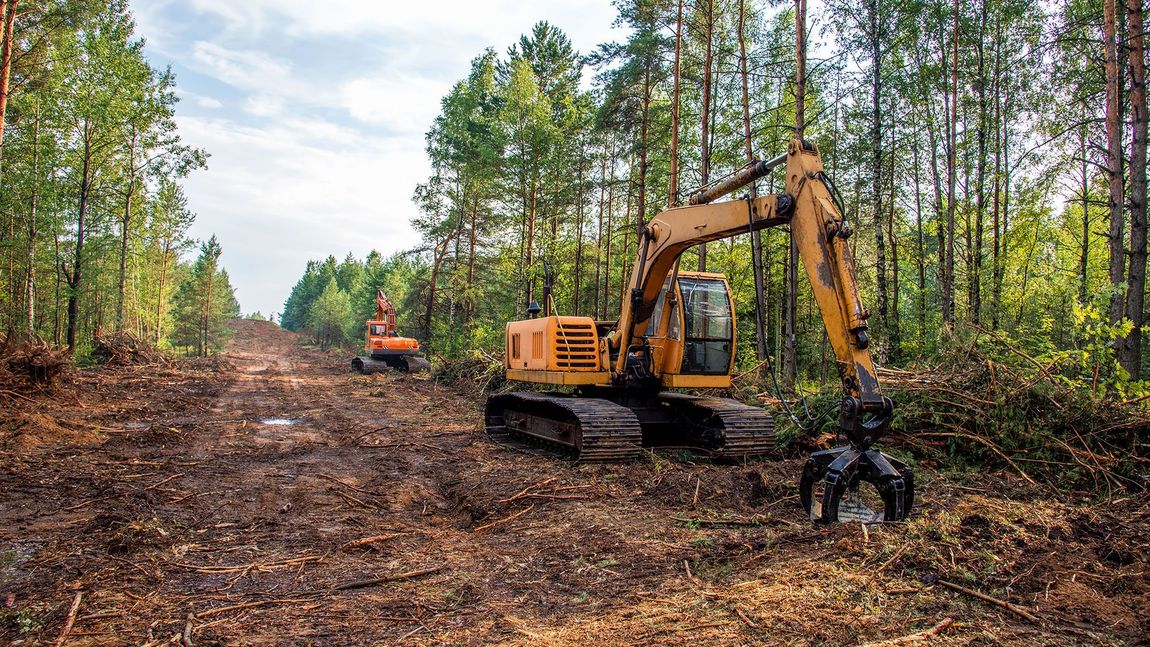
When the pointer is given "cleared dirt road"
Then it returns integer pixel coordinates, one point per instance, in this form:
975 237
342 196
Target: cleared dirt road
283 500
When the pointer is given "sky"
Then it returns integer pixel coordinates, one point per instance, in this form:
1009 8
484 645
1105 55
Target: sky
314 115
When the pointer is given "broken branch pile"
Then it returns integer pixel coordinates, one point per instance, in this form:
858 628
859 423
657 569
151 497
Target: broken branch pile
996 404
32 363
125 349
479 370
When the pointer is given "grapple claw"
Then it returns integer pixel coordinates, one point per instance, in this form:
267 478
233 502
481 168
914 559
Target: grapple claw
830 486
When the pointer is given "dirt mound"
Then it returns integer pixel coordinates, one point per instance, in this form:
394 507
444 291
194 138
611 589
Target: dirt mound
24 433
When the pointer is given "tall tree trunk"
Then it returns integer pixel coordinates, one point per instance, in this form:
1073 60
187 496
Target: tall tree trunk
436 265
125 225
76 274
756 238
1131 353
8 10
167 250
705 113
579 234
472 235
598 314
610 234
530 253
893 334
1084 253
30 250
673 187
875 16
644 146
206 324
951 180
996 270
1113 158
920 247
980 173
800 65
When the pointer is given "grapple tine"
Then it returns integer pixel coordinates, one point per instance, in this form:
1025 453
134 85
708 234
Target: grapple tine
842 470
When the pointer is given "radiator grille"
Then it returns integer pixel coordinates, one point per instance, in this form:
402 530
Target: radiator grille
576 346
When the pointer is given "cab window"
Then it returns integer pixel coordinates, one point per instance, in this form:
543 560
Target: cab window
707 326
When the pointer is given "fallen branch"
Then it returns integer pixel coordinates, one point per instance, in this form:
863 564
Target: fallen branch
915 637
1013 608
754 521
70 620
691 576
366 541
17 395
346 485
742 616
349 498
898 553
186 637
497 522
360 584
250 605
525 490
243 568
167 480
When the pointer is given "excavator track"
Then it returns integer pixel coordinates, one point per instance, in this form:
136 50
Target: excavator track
584 429
725 428
403 363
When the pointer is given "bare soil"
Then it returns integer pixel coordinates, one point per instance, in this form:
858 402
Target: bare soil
274 498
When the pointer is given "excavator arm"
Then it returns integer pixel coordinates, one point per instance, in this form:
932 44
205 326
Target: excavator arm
820 234
385 311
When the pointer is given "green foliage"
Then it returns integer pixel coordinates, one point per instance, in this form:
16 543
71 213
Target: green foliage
96 218
204 304
330 316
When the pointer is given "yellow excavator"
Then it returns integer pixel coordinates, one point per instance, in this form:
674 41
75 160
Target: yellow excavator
677 331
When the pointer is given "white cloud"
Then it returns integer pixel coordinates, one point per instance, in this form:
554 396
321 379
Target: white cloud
290 190
314 115
400 104
263 105
244 69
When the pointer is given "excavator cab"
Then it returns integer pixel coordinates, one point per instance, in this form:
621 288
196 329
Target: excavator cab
691 331
708 325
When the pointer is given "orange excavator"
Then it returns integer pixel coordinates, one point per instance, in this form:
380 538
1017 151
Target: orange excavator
385 348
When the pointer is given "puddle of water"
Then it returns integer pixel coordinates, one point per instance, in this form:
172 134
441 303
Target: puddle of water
278 421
